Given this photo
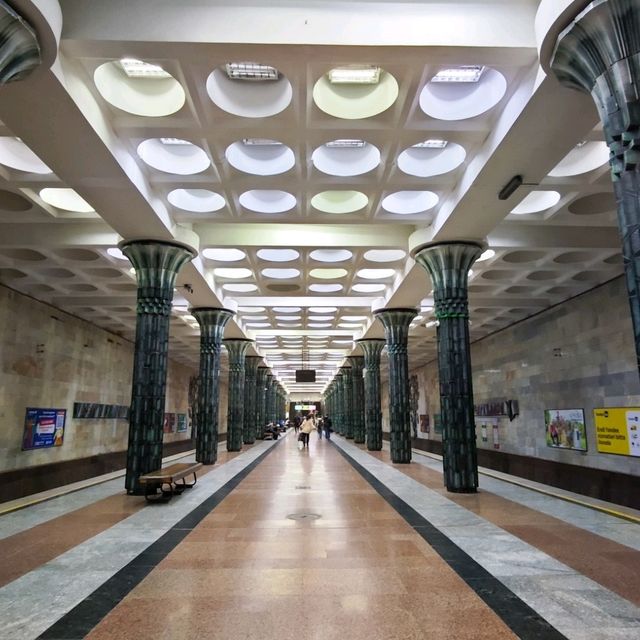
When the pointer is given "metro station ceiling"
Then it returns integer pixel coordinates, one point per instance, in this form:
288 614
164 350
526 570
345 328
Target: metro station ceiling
306 173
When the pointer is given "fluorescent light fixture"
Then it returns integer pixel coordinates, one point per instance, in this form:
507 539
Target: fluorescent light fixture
261 142
251 71
466 73
174 141
139 69
430 144
345 143
486 255
354 75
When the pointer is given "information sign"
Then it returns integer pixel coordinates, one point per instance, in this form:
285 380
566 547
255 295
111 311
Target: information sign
618 430
43 428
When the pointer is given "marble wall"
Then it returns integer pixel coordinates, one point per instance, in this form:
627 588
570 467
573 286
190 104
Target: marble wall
50 359
577 355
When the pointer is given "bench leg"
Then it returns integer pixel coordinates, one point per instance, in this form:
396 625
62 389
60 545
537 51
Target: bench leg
165 495
179 488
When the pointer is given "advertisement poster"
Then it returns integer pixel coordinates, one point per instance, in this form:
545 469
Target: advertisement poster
182 422
496 437
437 423
43 428
565 429
424 423
483 432
618 430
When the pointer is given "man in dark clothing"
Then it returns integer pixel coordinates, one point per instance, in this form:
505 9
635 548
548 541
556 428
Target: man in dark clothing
326 425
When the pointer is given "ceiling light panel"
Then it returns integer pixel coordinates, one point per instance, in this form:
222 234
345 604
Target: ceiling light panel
224 255
468 73
251 71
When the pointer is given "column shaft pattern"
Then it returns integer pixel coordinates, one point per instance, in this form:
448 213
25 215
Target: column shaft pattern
157 265
250 380
261 383
448 266
396 330
212 323
599 53
236 349
347 402
357 383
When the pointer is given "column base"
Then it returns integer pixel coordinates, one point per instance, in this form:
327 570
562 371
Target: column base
462 490
248 441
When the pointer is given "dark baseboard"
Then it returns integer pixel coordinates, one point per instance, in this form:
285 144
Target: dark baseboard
19 483
611 486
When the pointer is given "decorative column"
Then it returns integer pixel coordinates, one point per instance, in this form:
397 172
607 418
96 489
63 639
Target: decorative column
396 330
599 54
19 47
357 398
347 402
372 348
212 323
339 421
156 264
250 378
261 395
448 265
236 349
267 397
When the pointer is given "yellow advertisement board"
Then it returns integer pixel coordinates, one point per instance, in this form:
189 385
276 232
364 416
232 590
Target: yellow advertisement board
618 430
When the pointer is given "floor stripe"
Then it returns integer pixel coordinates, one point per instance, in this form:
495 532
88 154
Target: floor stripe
526 623
80 620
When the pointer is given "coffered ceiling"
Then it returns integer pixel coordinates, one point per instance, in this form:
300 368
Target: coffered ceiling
305 192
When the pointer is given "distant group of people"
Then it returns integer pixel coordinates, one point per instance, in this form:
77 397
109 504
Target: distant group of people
309 424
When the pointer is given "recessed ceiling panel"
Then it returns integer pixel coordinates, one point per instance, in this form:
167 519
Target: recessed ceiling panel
336 160
260 159
409 202
196 200
462 100
582 159
142 96
181 159
15 154
249 98
267 200
425 162
354 101
65 199
537 201
224 255
339 201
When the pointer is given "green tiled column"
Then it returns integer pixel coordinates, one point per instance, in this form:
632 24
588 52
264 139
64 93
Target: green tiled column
156 264
372 349
347 402
357 396
396 330
250 380
448 265
19 47
212 322
261 395
339 421
236 349
599 53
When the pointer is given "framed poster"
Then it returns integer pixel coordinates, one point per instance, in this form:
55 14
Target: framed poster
424 423
618 430
43 428
565 429
169 425
437 423
182 422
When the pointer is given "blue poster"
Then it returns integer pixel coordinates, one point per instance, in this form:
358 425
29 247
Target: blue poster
43 428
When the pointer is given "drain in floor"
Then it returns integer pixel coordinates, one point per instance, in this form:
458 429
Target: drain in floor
304 515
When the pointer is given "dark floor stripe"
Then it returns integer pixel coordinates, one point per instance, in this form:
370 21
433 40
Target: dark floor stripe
524 621
80 620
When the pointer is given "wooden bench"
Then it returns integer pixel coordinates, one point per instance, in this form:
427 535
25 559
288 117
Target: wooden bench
169 477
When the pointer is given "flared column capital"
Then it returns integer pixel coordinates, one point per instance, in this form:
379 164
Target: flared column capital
396 323
448 263
237 348
212 321
20 51
357 364
372 348
156 259
251 364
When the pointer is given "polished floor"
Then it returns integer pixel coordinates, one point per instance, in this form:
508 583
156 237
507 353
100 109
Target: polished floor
330 542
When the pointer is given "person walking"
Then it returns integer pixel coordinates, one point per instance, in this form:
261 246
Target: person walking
319 428
306 428
326 425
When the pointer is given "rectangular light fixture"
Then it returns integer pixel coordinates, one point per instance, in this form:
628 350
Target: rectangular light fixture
138 69
251 71
174 141
261 142
345 143
467 73
354 75
430 144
